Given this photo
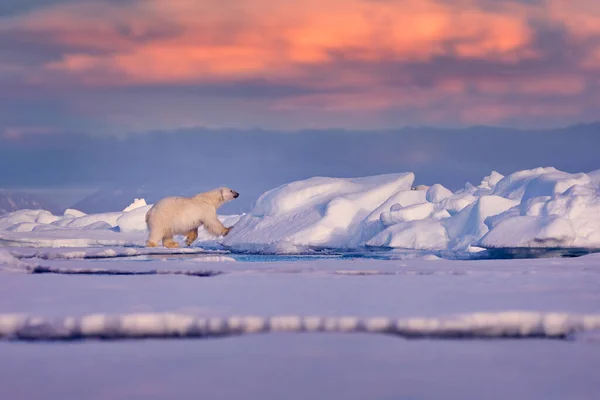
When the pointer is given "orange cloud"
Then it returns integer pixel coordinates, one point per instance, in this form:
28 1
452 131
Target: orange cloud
441 56
203 40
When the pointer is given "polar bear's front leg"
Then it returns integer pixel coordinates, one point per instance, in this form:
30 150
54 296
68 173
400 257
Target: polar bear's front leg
191 236
214 226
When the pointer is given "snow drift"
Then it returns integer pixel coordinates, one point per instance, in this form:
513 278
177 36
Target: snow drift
542 207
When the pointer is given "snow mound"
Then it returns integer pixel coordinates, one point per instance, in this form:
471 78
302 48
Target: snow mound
133 220
74 213
16 327
542 207
137 203
322 212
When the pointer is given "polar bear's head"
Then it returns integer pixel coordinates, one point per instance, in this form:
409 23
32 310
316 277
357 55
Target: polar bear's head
217 197
228 194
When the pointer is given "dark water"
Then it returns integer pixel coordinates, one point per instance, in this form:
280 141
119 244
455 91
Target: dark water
520 253
491 254
381 254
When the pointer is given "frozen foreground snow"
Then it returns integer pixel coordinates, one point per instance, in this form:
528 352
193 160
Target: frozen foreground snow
321 328
539 208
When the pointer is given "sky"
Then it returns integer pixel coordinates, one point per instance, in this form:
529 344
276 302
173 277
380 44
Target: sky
116 67
116 170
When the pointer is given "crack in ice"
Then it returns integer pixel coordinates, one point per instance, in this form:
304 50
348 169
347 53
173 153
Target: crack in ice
101 271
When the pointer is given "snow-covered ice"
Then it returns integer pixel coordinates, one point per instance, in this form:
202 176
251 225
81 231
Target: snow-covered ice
324 328
542 207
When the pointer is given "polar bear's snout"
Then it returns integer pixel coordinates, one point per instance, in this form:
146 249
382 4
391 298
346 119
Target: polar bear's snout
235 194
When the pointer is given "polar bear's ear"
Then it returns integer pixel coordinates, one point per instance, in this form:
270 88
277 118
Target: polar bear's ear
222 195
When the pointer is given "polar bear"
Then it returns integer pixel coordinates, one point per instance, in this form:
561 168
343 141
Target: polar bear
184 215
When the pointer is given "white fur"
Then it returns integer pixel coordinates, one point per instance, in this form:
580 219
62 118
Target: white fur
184 215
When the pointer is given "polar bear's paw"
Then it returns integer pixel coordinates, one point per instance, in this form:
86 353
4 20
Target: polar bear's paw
170 244
191 236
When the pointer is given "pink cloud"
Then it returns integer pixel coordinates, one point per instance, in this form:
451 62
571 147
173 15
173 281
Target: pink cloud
348 55
263 38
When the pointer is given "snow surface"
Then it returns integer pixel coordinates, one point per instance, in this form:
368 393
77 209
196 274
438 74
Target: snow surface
352 318
538 208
